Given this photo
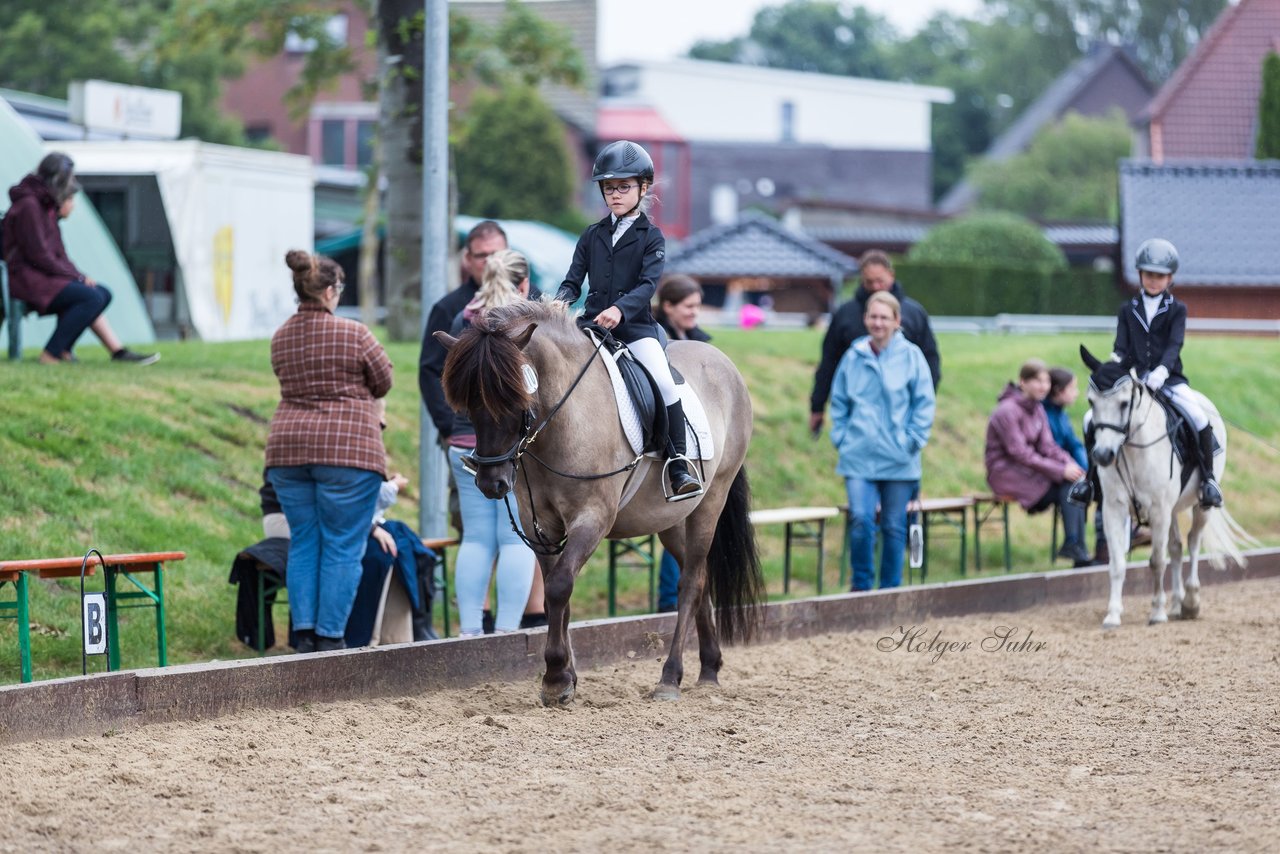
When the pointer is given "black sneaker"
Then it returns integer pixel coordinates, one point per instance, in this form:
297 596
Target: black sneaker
324 644
127 355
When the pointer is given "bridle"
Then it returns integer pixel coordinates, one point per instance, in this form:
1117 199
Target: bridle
530 428
1122 461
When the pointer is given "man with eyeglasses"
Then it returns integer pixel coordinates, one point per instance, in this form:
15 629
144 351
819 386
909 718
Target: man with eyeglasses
486 238
847 325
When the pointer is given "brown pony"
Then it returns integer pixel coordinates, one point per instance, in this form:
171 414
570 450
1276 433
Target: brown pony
526 374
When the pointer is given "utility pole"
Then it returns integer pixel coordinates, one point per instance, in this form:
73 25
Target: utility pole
436 226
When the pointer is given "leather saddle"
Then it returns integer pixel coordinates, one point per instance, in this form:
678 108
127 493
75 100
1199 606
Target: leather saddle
641 387
1182 436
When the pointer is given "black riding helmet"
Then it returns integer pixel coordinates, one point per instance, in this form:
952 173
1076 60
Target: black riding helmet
623 159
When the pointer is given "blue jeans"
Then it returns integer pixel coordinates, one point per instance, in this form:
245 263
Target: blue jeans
668 583
330 511
77 305
891 496
487 534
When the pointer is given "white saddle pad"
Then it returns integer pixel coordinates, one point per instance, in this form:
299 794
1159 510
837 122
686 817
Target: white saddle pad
698 441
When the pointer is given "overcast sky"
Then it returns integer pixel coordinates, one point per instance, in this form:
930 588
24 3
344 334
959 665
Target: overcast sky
663 29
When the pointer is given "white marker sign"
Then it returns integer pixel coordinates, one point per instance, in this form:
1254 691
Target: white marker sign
95 623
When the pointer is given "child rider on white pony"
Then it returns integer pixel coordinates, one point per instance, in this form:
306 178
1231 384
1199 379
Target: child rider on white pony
1149 335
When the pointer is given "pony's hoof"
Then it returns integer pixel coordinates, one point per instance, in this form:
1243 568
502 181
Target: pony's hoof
1157 619
1189 611
666 692
1109 624
558 697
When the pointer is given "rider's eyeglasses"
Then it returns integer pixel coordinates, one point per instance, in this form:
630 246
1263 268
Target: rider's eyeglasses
617 189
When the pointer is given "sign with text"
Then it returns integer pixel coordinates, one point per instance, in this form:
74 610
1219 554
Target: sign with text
95 623
133 111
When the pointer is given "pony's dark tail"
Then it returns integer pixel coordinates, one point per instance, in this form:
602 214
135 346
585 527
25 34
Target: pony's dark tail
733 567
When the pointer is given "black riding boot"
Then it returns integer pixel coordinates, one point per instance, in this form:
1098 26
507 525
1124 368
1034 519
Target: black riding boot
1082 491
1210 494
683 484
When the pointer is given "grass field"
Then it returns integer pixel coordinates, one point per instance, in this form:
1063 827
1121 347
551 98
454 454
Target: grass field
170 457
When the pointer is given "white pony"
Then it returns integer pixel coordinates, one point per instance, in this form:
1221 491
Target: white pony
1140 476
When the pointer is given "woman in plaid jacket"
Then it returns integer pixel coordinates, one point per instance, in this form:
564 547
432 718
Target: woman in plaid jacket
324 452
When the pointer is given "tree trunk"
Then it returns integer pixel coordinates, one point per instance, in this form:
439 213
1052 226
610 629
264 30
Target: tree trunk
370 244
400 109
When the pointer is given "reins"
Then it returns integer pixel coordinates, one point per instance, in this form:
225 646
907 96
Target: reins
544 546
1122 461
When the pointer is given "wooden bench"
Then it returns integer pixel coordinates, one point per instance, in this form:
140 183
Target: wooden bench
803 525
984 507
633 553
18 610
270 586
952 512
13 309
116 567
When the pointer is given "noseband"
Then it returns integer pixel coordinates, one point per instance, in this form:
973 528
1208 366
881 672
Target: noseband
473 461
528 434
1122 429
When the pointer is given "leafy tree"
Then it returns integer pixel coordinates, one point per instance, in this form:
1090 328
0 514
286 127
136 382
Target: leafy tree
1269 109
519 51
1067 173
167 44
512 160
811 35
994 239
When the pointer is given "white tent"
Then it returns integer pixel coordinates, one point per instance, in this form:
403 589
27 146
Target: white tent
232 214
88 243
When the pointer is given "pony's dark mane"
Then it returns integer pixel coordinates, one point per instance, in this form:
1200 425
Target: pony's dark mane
482 372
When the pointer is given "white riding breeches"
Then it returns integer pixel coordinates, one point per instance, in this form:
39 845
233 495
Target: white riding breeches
1181 394
650 354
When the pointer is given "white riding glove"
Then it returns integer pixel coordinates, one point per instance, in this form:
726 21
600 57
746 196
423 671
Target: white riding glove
1156 379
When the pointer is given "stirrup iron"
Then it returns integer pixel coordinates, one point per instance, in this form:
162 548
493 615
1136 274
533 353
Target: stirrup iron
668 490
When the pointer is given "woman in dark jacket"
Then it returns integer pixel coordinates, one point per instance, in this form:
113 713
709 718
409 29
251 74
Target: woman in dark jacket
41 274
679 301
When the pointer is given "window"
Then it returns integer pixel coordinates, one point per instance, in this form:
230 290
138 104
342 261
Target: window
788 121
333 142
257 134
365 132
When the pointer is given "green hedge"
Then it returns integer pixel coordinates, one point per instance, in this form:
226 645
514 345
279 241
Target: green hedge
953 290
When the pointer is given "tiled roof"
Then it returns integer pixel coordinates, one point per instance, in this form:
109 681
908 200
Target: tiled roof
1224 217
1051 105
757 245
1209 107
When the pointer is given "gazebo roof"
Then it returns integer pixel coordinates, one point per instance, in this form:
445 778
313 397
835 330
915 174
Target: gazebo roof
758 245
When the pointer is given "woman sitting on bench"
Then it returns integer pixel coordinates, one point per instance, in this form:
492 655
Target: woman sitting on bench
1025 463
42 275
